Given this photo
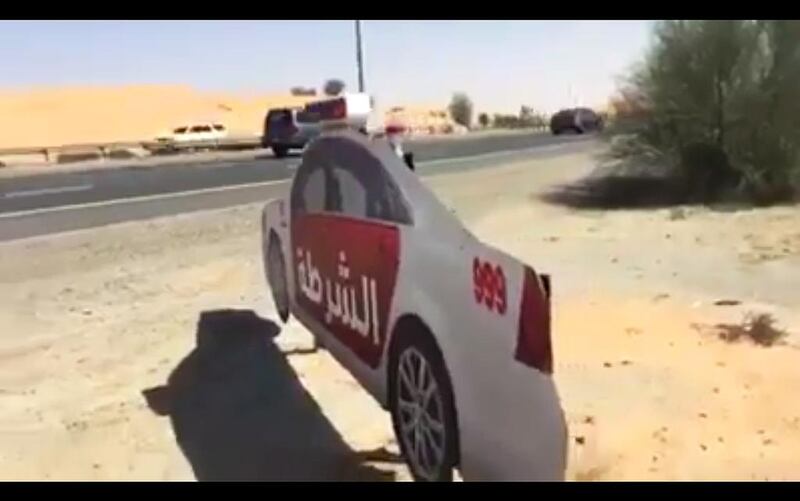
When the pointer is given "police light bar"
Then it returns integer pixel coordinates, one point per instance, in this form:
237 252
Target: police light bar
348 109
334 109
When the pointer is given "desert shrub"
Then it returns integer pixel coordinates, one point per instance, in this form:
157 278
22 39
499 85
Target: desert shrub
333 87
758 327
461 109
718 102
506 121
303 91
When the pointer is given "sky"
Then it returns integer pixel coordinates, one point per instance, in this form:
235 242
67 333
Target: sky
499 64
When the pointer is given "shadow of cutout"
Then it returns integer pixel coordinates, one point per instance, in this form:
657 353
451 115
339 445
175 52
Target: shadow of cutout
380 455
239 412
616 192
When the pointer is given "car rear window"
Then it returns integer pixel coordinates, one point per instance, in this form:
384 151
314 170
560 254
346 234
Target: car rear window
277 116
180 130
307 117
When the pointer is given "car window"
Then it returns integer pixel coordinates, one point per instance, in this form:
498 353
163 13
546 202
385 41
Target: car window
346 194
365 188
180 130
307 117
308 189
341 176
200 128
276 116
219 127
313 194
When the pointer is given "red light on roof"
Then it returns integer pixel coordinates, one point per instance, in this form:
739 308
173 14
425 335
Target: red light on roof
395 129
339 109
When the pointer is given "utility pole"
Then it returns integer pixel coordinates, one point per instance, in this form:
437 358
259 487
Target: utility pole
359 57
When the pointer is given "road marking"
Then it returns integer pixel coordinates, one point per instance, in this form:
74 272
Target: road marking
143 198
179 194
47 191
495 154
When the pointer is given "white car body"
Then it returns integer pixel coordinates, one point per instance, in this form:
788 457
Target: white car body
416 265
196 132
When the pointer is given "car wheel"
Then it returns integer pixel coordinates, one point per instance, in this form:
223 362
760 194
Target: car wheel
276 275
280 151
423 409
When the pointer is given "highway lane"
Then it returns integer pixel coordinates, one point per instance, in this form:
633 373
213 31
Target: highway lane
132 194
70 188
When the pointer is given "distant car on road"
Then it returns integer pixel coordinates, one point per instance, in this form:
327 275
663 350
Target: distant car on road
575 120
448 333
288 129
198 132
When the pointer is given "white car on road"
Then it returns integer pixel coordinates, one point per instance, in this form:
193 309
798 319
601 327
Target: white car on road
449 334
195 133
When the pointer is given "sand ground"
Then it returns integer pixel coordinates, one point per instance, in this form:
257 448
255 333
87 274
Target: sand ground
114 338
85 114
51 116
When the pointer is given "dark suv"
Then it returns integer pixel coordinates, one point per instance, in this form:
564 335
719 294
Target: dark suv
289 128
577 120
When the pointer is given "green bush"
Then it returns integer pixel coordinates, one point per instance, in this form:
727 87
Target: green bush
718 102
461 109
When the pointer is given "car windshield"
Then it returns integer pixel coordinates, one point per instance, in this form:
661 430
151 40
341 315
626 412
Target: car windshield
280 116
307 117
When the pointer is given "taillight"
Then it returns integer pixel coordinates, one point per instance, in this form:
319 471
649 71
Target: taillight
339 109
533 337
395 129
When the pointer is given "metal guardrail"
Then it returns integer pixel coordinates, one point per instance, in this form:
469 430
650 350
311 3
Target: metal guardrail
52 154
92 151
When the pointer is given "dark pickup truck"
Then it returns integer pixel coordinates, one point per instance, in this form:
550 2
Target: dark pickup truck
288 129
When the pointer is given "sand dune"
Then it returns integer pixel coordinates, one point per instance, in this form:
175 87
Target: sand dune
64 115
53 116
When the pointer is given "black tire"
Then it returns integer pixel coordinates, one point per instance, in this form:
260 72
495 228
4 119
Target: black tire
275 267
417 342
280 151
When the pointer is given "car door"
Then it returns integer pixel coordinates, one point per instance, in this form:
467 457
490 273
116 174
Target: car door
350 249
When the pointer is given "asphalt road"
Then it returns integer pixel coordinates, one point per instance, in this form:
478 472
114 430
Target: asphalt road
45 204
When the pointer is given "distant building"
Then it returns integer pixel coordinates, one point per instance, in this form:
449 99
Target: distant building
420 119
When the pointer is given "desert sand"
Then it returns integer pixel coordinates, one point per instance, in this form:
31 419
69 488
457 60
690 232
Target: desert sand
54 116
149 350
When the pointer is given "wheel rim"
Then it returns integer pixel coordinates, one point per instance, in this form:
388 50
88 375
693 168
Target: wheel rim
277 278
420 414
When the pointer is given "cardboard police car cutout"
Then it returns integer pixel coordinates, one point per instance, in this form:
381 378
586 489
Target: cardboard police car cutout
449 334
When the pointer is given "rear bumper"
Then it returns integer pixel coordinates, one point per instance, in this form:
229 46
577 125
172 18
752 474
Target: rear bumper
525 440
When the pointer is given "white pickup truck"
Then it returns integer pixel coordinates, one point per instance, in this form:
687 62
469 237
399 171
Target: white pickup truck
449 334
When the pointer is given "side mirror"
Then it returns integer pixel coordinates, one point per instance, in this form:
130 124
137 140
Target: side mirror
408 158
